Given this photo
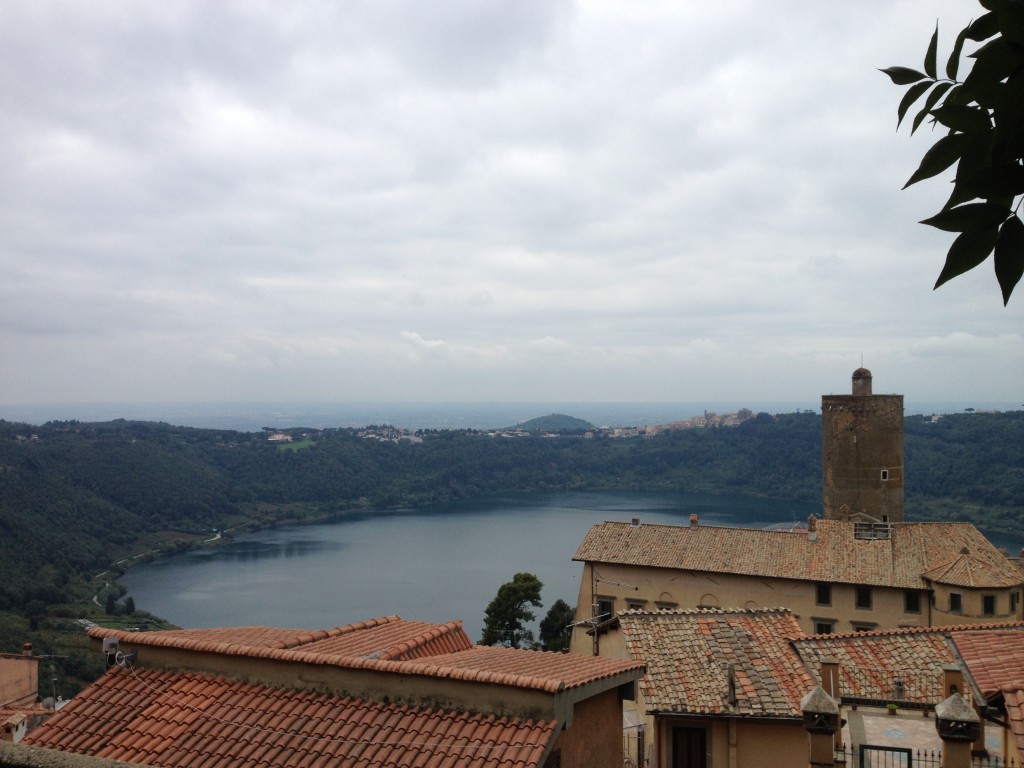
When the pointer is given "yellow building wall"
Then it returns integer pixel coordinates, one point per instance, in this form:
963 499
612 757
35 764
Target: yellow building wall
651 588
595 736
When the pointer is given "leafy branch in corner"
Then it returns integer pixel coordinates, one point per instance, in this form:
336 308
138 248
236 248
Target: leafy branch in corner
984 115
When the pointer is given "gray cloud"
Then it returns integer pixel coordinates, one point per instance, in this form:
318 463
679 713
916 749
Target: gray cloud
509 201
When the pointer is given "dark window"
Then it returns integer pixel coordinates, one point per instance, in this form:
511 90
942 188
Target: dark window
863 597
885 474
988 605
911 602
823 594
605 608
1014 596
823 627
664 605
956 603
689 748
636 605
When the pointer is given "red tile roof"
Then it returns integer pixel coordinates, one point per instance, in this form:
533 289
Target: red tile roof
392 645
871 662
995 657
164 718
914 551
388 637
689 653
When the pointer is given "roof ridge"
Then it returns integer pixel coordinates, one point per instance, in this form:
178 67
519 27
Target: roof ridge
430 666
433 632
946 630
639 612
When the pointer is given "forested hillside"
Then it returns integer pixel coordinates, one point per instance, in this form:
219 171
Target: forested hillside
77 498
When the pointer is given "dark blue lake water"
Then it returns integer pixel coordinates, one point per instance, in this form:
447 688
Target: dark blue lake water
436 564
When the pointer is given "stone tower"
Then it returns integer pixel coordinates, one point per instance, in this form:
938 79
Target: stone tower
862 454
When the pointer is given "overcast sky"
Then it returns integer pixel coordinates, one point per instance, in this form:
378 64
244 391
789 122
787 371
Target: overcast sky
477 201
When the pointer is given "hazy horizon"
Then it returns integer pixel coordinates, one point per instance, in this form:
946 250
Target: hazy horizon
253 416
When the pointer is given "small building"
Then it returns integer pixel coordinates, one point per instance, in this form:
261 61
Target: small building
722 688
19 694
378 693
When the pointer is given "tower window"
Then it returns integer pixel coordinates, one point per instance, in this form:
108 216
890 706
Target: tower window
885 475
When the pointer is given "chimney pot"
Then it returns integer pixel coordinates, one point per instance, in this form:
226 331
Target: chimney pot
694 520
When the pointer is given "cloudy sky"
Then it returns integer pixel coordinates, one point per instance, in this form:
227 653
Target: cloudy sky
477 201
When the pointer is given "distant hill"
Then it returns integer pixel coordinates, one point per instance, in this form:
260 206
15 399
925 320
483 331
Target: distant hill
555 422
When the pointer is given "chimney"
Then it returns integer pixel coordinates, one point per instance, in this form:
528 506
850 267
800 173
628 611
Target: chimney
812 531
693 520
635 522
26 649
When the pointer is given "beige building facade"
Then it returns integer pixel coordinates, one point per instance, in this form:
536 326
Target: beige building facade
835 576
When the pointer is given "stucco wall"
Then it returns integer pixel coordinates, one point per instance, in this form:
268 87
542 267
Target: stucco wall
19 679
595 738
692 589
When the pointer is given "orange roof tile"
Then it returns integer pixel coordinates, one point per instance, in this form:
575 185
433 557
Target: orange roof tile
170 719
916 549
995 657
689 654
392 645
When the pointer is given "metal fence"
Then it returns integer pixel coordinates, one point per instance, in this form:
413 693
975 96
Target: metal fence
873 756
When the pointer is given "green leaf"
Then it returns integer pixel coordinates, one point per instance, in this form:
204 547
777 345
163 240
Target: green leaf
997 181
933 97
942 154
953 64
967 217
929 57
968 251
903 75
995 61
913 93
1011 22
984 27
962 118
1009 256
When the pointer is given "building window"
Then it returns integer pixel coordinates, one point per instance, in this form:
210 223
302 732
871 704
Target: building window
823 594
1014 596
605 608
863 599
863 626
665 605
988 605
956 602
911 601
885 475
636 605
824 626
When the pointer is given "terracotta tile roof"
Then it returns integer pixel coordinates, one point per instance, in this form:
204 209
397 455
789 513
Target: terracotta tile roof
688 654
871 662
388 637
172 719
995 657
836 556
392 645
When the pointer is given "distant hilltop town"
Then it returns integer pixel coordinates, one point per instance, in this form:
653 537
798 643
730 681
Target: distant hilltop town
561 426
